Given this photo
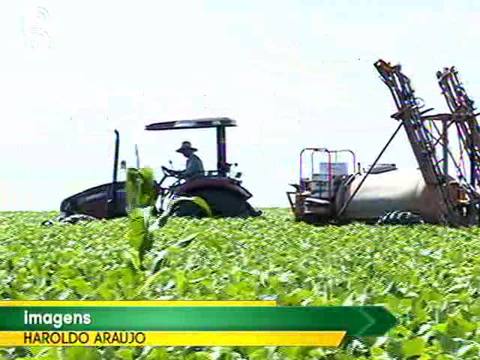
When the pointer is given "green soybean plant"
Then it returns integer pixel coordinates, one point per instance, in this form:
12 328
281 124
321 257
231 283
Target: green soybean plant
141 198
142 213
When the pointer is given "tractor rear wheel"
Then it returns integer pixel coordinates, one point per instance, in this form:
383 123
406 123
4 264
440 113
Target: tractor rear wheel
190 209
223 203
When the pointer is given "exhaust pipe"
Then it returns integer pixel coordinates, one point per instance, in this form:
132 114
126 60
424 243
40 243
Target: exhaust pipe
112 196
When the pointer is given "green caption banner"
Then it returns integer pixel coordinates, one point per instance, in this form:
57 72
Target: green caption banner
356 321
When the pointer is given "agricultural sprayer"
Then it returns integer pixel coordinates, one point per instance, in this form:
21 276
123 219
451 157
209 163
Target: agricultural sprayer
444 189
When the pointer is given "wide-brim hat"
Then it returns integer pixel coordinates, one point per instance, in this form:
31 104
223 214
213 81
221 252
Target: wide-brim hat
186 145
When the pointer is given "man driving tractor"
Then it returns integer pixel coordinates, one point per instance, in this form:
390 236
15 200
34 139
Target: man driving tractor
194 166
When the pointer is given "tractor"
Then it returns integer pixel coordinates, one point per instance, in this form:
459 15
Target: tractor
224 194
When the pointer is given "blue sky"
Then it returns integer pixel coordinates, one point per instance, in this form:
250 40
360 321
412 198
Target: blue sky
292 73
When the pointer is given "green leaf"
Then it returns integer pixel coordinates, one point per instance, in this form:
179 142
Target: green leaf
457 326
125 354
140 187
200 202
82 353
158 354
186 240
81 286
138 235
197 200
413 347
180 282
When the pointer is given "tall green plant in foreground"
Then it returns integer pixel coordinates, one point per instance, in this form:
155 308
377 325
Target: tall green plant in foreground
141 191
141 198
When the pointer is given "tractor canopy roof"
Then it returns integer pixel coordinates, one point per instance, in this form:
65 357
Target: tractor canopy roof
192 124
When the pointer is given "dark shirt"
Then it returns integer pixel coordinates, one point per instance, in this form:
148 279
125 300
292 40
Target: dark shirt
193 168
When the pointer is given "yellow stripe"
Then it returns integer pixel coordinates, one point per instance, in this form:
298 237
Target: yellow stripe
182 338
29 303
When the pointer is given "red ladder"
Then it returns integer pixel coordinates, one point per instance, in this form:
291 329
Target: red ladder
463 116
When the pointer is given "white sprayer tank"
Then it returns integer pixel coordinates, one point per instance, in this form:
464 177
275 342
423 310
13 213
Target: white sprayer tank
403 190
